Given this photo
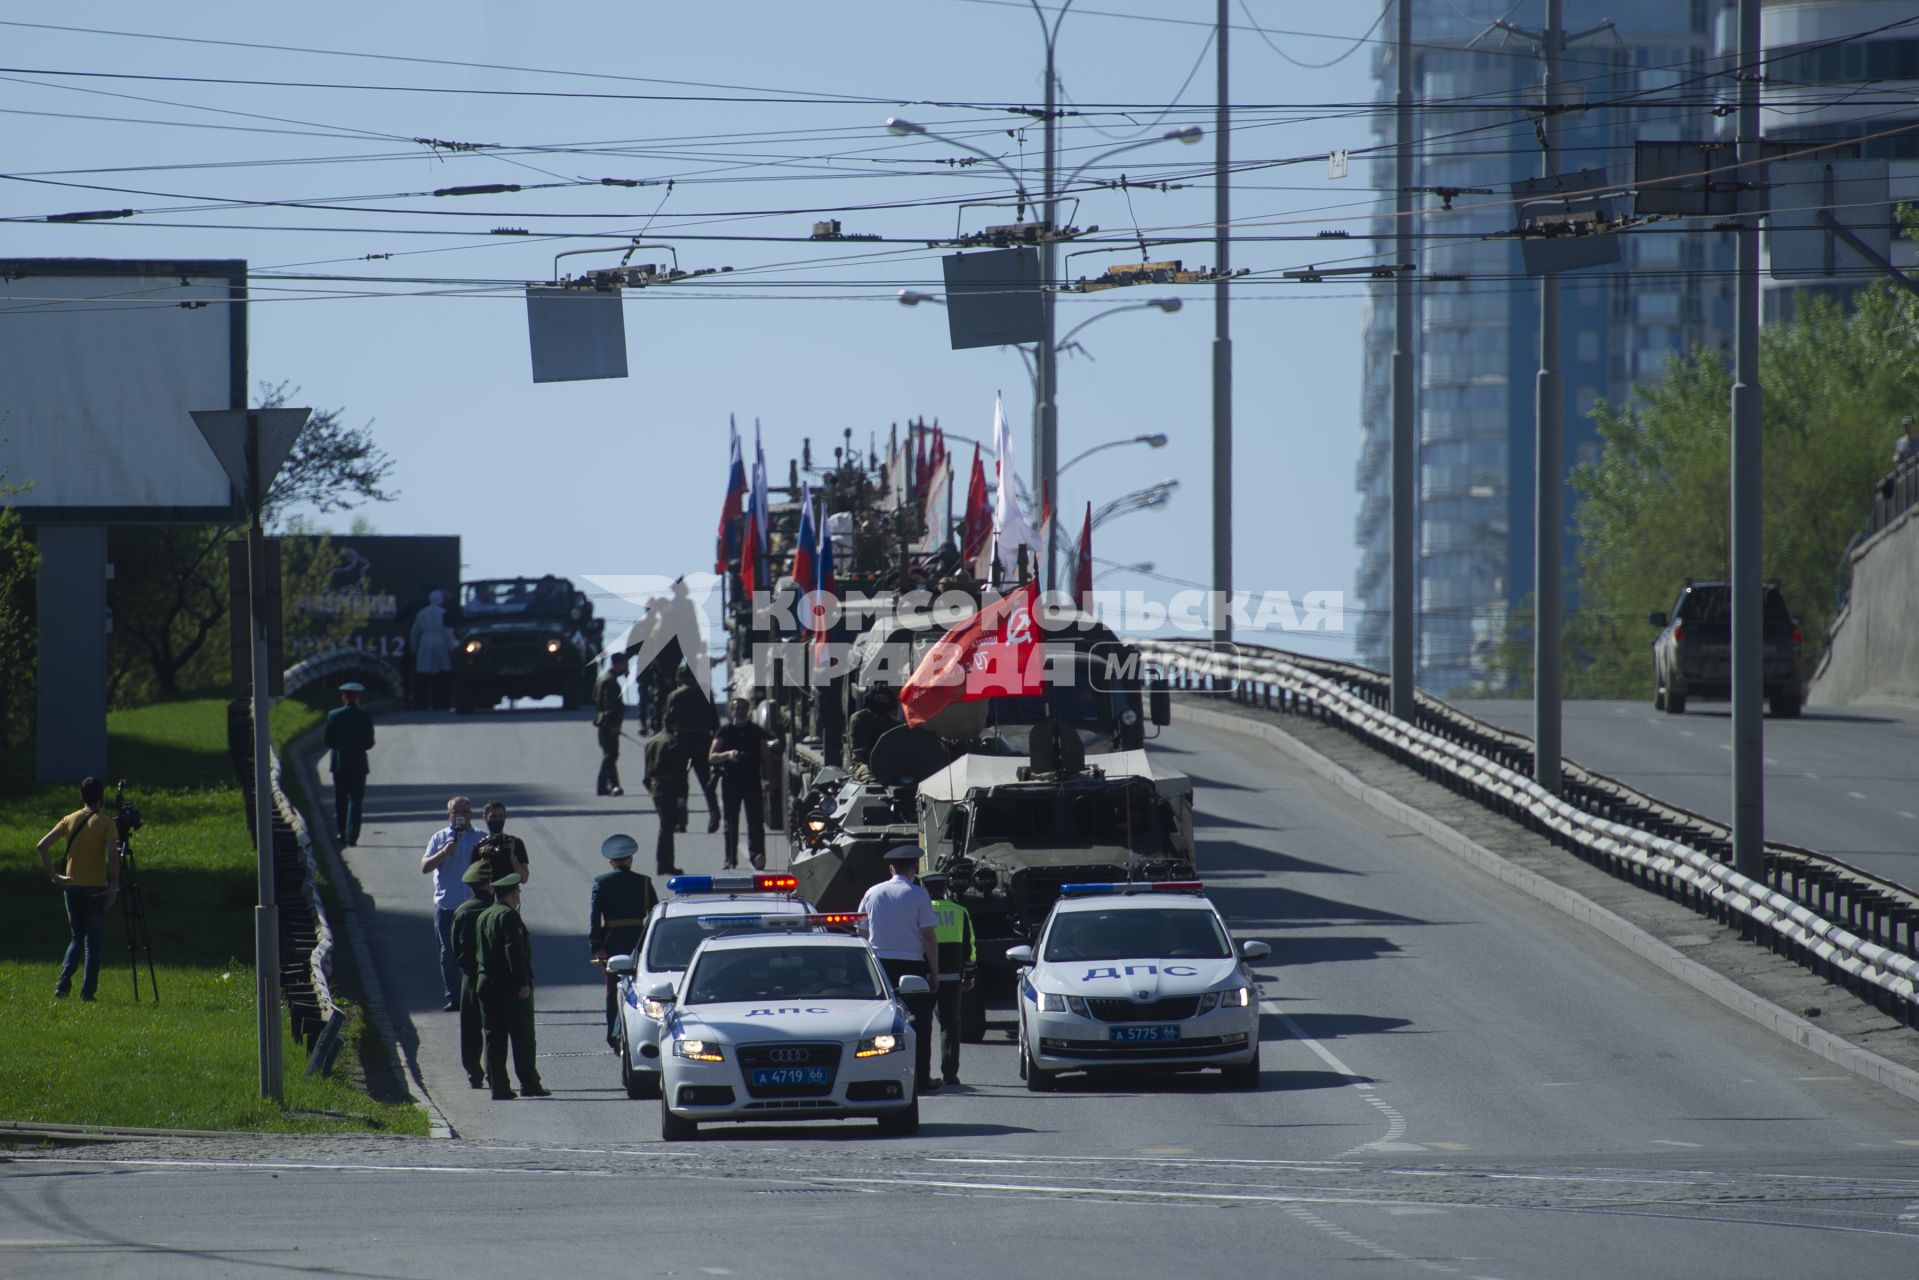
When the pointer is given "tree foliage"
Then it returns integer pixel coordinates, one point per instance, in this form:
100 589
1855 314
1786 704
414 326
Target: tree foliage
19 562
1655 506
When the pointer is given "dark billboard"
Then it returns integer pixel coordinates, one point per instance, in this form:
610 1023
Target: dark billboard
386 578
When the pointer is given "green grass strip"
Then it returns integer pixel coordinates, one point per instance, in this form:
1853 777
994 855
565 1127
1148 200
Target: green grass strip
189 1061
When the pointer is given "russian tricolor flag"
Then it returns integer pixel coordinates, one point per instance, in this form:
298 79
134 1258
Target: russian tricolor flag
805 543
732 510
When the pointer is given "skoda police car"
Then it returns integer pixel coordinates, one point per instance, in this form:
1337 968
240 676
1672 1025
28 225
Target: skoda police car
1137 975
702 906
786 1024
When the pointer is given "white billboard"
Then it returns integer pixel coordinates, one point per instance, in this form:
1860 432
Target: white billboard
101 364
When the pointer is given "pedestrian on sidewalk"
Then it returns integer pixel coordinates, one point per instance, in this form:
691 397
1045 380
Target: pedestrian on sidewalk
448 854
506 994
349 736
466 953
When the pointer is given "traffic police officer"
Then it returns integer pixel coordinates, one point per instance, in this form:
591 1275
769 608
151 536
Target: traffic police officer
959 956
616 916
609 713
466 953
505 986
900 925
349 736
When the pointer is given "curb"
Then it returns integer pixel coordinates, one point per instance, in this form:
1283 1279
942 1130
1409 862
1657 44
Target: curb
47 1130
1716 986
405 1065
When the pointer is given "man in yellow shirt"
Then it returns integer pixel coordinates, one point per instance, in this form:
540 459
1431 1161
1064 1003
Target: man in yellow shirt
89 874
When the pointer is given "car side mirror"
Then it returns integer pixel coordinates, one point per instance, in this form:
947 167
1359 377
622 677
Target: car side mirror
620 964
911 984
1254 951
1159 706
661 991
1020 955
1657 618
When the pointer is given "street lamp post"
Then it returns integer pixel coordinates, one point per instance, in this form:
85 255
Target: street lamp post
1152 440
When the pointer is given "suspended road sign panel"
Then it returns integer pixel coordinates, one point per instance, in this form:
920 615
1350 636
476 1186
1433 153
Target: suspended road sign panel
1856 194
993 298
575 334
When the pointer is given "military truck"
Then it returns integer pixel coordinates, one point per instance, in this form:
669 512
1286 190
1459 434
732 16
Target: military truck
523 638
1009 833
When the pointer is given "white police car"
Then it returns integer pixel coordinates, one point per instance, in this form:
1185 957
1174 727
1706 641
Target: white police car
779 1024
702 907
1137 975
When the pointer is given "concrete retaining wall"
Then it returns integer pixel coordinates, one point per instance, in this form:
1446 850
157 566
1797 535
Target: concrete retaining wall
1873 654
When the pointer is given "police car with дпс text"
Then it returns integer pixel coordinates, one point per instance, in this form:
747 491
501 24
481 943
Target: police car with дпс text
779 1024
702 906
1137 975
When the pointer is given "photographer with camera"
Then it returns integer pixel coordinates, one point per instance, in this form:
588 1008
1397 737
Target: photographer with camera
90 880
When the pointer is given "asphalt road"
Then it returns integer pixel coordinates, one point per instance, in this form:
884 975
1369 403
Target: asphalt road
1459 1082
1844 781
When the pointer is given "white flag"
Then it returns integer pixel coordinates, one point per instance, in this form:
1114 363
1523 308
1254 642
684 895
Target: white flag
936 491
1011 531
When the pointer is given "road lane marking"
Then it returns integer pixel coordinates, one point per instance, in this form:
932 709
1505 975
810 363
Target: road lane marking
318 1167
1671 1142
1857 795
1904 814
1725 746
1395 1122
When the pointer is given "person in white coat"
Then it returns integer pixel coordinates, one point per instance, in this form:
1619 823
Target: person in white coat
431 643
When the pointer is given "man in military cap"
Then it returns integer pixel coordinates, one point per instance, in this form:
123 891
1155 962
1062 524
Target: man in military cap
349 736
692 707
609 713
616 916
466 953
666 762
505 986
958 957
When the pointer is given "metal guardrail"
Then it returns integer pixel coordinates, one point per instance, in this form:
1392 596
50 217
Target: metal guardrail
1896 493
1851 927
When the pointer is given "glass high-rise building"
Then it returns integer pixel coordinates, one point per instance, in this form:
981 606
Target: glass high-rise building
1477 345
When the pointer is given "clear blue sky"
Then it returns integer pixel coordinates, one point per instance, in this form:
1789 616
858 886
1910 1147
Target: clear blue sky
626 476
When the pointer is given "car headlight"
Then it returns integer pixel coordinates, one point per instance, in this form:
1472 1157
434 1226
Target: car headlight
698 1051
1231 998
552 646
473 646
654 1009
1052 1002
875 1046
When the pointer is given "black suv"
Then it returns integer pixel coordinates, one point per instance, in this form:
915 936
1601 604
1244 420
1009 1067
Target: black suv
1692 655
523 638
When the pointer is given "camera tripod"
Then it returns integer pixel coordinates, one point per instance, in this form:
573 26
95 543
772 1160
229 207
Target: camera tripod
133 910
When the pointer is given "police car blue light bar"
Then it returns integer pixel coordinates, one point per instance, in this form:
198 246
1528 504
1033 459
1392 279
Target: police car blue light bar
768 883
1132 886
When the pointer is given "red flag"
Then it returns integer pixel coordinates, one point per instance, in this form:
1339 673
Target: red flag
1083 576
937 454
919 462
977 529
993 654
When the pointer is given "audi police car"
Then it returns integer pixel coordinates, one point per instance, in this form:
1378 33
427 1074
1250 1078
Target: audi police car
703 906
1137 975
780 1024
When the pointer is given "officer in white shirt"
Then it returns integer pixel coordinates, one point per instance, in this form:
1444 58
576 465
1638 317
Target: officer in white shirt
901 927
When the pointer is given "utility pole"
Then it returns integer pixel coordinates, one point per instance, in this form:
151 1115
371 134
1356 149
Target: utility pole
1549 457
1046 448
1748 727
1222 347
1404 441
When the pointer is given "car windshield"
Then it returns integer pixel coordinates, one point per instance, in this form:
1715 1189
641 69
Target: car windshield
775 972
671 941
548 596
1709 604
1163 933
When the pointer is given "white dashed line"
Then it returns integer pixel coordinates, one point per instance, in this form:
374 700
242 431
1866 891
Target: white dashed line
1671 1142
1395 1122
1904 814
1857 795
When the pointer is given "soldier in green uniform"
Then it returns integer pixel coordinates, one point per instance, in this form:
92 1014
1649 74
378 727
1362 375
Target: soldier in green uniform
466 953
959 956
692 706
666 762
505 986
616 916
879 711
609 713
